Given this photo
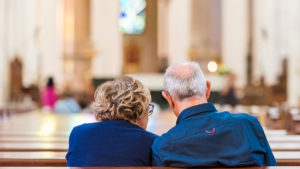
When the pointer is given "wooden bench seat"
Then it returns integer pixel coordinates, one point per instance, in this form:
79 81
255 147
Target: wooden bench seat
63 146
46 158
30 147
287 158
32 159
36 139
285 138
283 167
285 146
12 133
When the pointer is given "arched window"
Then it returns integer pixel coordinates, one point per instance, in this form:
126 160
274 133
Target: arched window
132 16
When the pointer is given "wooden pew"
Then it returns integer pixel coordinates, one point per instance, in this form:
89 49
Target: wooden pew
285 146
63 146
284 139
6 133
284 167
293 121
287 158
30 159
58 158
33 147
37 143
36 139
274 118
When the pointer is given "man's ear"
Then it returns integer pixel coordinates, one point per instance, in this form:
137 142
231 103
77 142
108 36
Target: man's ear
168 98
208 87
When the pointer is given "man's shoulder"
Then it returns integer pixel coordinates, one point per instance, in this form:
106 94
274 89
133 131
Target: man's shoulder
168 138
248 121
244 117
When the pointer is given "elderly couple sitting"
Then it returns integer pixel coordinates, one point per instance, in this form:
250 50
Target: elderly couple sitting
202 137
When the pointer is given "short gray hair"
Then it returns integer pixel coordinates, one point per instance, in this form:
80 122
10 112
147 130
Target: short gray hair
187 83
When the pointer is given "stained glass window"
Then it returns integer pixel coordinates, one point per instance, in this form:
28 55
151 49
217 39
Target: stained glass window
133 16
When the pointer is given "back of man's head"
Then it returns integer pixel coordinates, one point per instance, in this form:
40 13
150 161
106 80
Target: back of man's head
185 79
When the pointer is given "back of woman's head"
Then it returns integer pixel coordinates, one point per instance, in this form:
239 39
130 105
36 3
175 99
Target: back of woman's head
121 99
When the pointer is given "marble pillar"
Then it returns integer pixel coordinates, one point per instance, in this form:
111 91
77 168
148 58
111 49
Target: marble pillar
3 54
179 30
270 39
107 38
294 53
50 41
235 37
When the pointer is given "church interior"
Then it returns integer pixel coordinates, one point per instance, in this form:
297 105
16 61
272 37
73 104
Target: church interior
248 49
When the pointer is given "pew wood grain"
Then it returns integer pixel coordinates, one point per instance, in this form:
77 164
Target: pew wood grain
23 147
58 158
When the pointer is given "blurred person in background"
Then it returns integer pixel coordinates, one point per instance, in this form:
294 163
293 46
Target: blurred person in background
67 104
122 107
229 91
49 96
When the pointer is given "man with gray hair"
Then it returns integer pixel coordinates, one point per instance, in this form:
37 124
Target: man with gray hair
204 137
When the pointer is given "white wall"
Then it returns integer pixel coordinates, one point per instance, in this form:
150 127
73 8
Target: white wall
270 39
3 55
32 35
235 37
21 29
294 53
179 30
107 38
162 28
51 40
29 50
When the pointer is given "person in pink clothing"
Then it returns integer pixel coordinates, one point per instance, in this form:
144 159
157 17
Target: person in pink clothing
49 96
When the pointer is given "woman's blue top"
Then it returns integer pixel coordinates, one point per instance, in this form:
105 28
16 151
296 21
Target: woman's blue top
110 143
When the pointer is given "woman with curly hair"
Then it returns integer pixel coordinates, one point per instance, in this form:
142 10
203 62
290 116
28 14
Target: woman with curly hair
119 138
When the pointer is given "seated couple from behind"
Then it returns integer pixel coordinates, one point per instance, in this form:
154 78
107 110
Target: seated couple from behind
202 137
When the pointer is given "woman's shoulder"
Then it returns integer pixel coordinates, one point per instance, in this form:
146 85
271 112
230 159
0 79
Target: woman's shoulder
115 127
87 126
151 135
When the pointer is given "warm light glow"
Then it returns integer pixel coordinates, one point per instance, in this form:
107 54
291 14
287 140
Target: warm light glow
212 66
69 27
48 126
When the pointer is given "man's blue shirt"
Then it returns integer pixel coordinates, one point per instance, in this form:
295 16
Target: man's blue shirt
204 137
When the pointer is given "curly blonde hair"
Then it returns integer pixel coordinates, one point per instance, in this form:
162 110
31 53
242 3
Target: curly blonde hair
122 99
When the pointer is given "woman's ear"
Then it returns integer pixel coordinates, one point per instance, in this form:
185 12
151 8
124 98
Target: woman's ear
168 98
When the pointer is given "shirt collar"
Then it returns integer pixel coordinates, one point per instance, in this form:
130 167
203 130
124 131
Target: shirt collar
199 109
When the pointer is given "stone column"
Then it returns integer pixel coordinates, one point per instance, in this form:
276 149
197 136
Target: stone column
163 27
50 40
3 54
21 31
77 51
205 34
30 43
235 37
294 53
270 39
107 38
163 33
201 29
179 30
